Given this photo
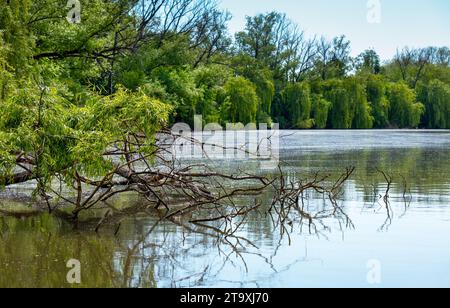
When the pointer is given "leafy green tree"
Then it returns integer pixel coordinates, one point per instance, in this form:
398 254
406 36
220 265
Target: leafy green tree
16 38
335 92
265 90
138 68
349 106
250 68
211 80
376 95
182 91
65 138
419 65
333 58
5 75
321 108
242 101
360 108
278 111
368 62
296 99
260 40
436 98
404 110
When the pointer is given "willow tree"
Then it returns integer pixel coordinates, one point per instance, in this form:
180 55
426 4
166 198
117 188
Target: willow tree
265 90
404 110
54 137
56 123
242 102
335 92
5 75
255 71
360 108
320 110
376 95
184 95
436 98
17 39
296 98
211 80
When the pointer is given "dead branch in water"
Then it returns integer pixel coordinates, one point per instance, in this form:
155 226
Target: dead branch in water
389 179
290 195
187 191
406 190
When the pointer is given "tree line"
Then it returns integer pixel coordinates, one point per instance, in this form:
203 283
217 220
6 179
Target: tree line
181 54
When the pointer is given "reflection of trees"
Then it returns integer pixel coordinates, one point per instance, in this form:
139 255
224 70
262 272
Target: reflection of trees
426 170
145 253
386 181
150 249
34 253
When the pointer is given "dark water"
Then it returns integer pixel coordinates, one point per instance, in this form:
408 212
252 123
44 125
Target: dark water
410 249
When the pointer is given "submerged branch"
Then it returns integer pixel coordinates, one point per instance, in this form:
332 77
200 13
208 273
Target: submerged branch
216 200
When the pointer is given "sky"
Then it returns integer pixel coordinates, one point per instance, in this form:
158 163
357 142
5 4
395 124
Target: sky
413 23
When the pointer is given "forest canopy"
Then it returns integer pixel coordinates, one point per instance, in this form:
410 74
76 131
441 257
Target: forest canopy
180 53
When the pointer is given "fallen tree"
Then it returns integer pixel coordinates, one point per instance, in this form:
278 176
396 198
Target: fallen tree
80 157
178 188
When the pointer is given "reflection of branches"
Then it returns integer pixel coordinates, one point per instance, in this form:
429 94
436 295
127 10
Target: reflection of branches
169 251
269 261
289 198
388 178
406 190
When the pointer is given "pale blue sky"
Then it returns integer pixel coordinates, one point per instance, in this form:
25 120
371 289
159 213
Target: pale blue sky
414 23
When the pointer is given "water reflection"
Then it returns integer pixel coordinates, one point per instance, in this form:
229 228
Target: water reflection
412 244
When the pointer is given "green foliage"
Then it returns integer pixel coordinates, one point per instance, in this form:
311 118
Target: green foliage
349 106
252 69
265 90
184 95
106 119
296 99
436 98
333 59
7 160
437 72
66 137
360 108
404 111
376 95
211 80
17 38
368 62
340 116
321 108
140 68
242 101
5 75
258 39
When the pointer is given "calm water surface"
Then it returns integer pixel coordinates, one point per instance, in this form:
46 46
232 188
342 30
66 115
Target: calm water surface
412 248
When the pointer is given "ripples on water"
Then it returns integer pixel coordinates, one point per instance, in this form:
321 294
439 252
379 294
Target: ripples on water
413 247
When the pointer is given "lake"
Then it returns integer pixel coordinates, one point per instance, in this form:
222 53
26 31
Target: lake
403 244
